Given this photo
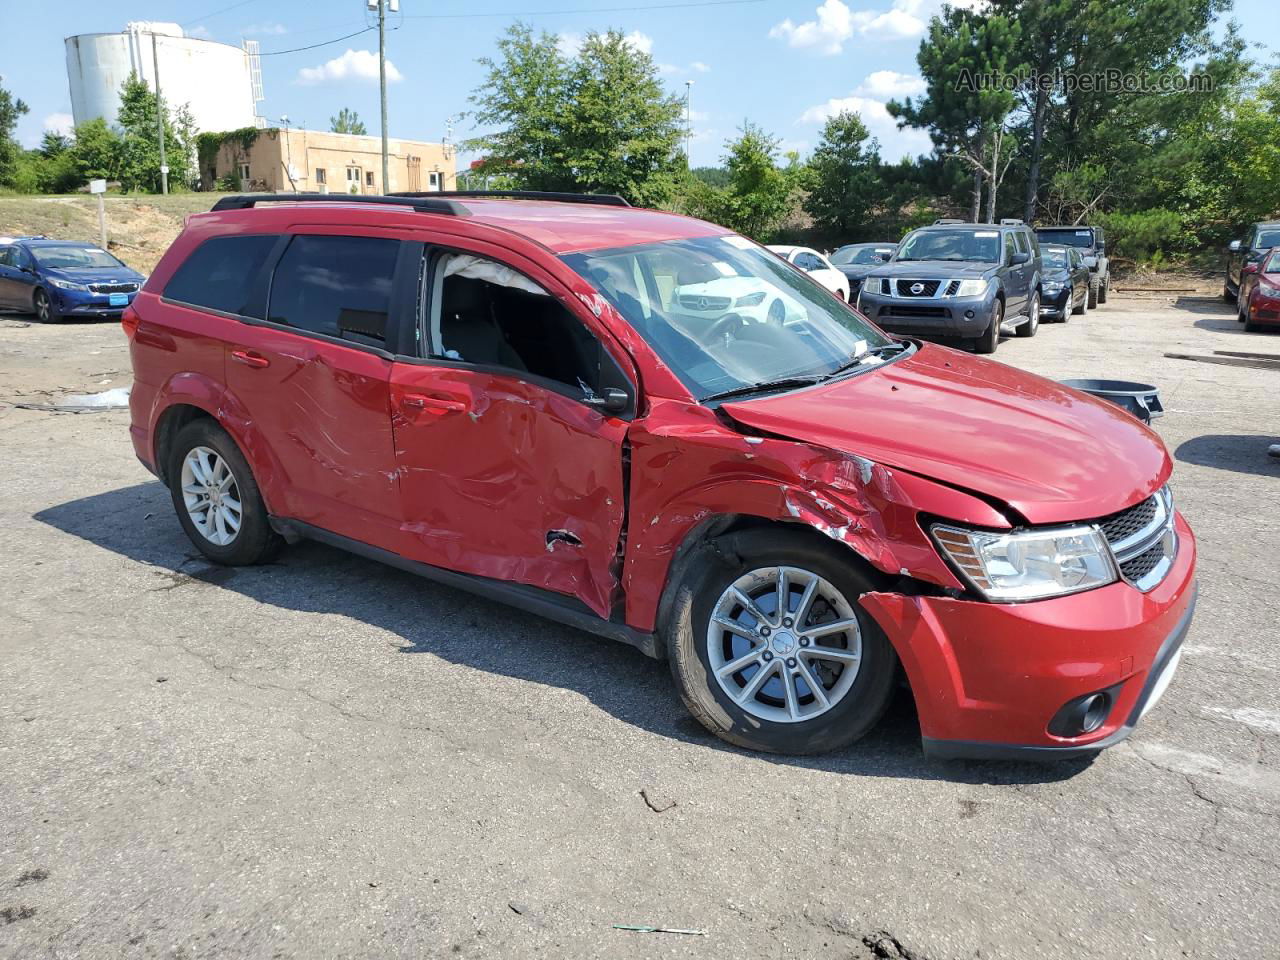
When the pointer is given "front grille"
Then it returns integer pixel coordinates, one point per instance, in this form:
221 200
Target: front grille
1141 565
1126 523
694 302
113 287
928 288
1142 539
953 288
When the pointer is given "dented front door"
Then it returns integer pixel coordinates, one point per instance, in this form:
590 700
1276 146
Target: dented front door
506 479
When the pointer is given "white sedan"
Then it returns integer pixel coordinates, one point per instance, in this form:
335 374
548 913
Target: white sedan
817 266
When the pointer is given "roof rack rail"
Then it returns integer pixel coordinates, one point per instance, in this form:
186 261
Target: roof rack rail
1012 222
600 199
423 203
944 220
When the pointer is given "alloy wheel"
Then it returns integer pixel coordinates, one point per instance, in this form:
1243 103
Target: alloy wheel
42 306
784 644
211 495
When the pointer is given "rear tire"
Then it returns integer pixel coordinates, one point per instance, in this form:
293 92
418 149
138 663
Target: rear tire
1103 289
1227 295
988 342
1093 294
1032 325
1079 311
783 714
224 478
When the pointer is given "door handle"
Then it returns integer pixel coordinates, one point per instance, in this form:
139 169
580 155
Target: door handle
421 401
250 359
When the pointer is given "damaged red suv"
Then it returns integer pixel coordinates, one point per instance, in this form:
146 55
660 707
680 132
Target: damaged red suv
650 428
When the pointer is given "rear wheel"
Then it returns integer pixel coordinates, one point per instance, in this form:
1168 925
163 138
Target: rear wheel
1227 295
216 497
1029 328
770 650
1103 289
1093 294
988 341
1080 310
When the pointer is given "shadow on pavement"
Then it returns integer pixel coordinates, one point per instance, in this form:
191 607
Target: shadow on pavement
1240 454
138 522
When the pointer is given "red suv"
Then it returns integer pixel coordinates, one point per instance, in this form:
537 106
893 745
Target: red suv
650 428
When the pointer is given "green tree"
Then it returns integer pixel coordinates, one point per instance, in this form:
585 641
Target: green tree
96 151
11 110
845 188
597 122
138 166
965 118
759 195
347 121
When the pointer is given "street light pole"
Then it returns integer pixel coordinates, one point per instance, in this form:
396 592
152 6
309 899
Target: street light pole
155 66
382 83
688 122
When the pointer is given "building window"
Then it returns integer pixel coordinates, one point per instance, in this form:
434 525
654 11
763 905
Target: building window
368 179
244 171
320 175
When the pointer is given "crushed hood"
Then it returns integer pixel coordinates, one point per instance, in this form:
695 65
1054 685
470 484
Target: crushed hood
1051 453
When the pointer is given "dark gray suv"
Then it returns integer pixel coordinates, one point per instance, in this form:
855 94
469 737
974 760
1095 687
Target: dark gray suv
954 279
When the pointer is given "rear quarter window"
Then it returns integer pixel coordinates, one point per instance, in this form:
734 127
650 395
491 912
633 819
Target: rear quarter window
219 273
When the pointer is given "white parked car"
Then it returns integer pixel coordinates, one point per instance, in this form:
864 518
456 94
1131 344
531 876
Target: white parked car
817 266
748 297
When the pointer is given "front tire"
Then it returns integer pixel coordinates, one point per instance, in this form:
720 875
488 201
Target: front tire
43 307
1093 294
1081 310
770 649
990 340
216 497
1103 289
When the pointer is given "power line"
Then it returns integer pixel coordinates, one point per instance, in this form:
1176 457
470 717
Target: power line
242 3
552 13
322 43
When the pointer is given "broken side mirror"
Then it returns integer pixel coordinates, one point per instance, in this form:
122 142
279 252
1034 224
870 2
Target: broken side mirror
611 400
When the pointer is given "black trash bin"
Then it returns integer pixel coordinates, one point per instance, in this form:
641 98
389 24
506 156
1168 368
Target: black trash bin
1140 399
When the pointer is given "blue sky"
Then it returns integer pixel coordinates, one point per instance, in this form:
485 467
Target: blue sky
784 64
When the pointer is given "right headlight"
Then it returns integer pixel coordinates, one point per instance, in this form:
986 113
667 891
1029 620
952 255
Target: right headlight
1029 564
972 288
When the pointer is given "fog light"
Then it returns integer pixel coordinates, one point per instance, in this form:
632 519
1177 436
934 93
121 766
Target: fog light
1083 715
968 314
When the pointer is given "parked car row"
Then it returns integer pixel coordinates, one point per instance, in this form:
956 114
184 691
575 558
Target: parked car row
1252 280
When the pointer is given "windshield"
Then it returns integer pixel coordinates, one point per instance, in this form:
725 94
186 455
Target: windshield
1054 256
724 313
860 255
1069 238
73 258
1273 263
971 246
1266 239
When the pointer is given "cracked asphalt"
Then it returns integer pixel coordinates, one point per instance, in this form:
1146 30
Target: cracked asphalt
325 757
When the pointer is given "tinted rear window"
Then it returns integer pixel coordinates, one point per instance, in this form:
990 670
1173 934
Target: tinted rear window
337 286
220 272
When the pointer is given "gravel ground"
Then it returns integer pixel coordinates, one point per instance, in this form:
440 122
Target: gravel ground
326 757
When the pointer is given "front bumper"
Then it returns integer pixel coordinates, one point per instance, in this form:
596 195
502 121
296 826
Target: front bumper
72 303
989 678
929 316
1056 305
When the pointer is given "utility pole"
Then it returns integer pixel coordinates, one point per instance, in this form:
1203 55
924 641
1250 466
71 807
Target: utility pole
688 122
382 83
164 167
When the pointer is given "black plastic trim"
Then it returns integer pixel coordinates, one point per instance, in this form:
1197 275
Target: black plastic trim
982 750
543 603
598 199
426 203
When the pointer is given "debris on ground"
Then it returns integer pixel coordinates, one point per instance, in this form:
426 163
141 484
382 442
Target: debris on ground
517 907
117 398
656 801
641 928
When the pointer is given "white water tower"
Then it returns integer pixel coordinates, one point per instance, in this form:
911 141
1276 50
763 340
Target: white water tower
214 80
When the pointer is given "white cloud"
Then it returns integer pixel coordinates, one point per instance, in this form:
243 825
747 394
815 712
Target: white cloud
264 29
888 84
834 24
61 123
699 67
352 65
641 41
894 143
199 33
673 69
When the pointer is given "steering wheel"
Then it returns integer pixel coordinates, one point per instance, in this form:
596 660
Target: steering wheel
721 329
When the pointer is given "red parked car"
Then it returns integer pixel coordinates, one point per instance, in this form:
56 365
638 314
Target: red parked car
1258 305
510 394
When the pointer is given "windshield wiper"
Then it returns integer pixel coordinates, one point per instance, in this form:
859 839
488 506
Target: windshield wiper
893 347
761 387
